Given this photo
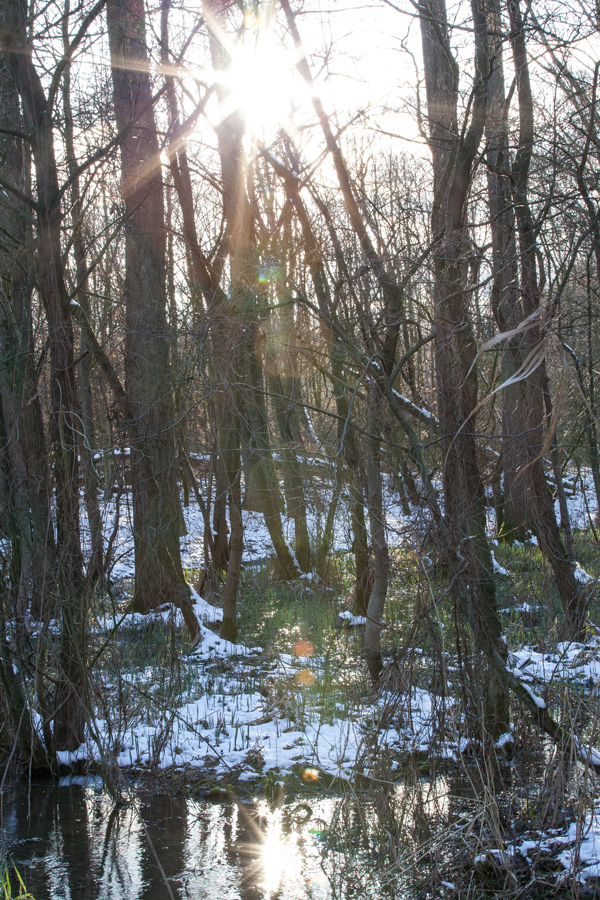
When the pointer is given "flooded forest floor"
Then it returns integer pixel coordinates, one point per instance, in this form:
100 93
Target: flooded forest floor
272 768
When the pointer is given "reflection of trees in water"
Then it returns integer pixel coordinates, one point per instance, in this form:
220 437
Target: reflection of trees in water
71 813
394 839
163 857
84 848
29 814
114 874
429 828
245 849
58 863
381 843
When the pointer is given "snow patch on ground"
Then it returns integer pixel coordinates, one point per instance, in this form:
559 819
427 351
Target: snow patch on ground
581 856
572 661
229 722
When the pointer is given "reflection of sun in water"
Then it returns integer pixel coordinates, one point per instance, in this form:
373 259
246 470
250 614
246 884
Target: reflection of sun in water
278 862
281 862
278 851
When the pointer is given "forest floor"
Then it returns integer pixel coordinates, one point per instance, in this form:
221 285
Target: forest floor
290 708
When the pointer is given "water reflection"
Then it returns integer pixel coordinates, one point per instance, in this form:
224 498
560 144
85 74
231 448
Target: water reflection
70 843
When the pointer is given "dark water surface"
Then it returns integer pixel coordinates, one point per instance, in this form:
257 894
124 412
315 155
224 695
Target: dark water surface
69 842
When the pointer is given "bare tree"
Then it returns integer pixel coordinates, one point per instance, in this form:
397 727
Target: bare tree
69 716
87 444
158 520
27 498
454 148
527 488
26 521
242 308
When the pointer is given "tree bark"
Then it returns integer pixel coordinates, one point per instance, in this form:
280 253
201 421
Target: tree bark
28 494
539 506
468 558
64 421
157 515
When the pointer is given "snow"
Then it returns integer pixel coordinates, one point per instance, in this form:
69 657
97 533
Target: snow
498 569
581 576
257 542
350 619
107 623
229 727
522 607
499 856
504 739
204 610
582 858
588 754
571 662
210 645
227 719
581 501
418 411
539 702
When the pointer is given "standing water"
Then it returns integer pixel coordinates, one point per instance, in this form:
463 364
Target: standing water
68 841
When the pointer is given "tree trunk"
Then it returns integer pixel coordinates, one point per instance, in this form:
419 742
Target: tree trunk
64 421
381 557
204 278
284 382
221 540
347 439
468 558
28 488
243 307
539 508
232 459
157 515
505 294
87 445
282 397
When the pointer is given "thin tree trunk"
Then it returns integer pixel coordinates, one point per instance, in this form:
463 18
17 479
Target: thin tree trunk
469 562
232 461
282 391
95 568
539 510
220 557
381 557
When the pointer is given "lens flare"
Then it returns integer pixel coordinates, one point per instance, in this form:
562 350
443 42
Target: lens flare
304 678
303 649
310 776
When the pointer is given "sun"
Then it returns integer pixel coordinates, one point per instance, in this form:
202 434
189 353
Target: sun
261 81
